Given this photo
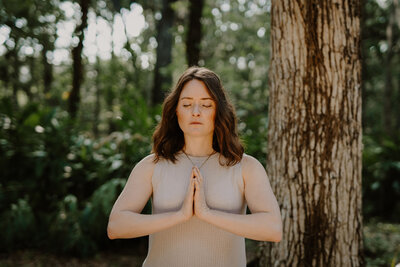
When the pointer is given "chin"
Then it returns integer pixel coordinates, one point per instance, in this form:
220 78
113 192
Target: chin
195 132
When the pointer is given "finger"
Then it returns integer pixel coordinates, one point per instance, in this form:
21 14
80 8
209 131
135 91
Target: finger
191 193
195 173
196 192
191 186
197 184
199 174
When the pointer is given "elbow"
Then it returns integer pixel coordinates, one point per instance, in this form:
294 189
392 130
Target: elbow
274 233
111 233
277 236
272 236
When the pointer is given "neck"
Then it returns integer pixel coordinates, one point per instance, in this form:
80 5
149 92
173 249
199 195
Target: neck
198 146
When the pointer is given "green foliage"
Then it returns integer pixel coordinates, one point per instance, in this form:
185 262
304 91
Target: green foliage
381 67
62 181
18 223
33 145
83 231
381 172
94 216
67 229
382 244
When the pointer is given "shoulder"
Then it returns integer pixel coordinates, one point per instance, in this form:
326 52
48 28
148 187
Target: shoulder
146 165
250 162
251 166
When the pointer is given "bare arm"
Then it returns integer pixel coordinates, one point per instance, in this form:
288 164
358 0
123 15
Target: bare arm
125 219
264 223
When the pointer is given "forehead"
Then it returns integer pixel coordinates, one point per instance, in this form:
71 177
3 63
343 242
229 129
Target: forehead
195 89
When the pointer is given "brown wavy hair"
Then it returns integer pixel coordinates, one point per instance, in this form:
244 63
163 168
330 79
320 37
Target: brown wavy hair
168 138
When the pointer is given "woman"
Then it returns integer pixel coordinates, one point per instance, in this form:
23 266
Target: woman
200 182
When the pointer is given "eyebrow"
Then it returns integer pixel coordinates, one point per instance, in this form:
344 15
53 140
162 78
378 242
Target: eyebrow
204 98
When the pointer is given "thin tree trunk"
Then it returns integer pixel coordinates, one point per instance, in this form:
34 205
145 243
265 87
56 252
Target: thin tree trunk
364 75
388 92
314 136
135 77
33 81
97 107
194 32
14 74
110 92
396 5
77 66
162 73
47 69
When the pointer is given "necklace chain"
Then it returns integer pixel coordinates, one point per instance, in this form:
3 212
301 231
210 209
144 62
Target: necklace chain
203 161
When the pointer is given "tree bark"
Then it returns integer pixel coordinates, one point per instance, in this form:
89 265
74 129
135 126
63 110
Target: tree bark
314 135
162 74
194 32
77 66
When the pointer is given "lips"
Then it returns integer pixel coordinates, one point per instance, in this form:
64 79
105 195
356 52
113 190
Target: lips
196 122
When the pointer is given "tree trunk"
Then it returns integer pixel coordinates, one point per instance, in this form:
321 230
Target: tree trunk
47 68
364 52
97 106
77 66
314 136
14 75
162 74
388 115
396 6
194 32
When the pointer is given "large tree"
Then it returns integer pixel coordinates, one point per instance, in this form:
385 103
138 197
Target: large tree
314 135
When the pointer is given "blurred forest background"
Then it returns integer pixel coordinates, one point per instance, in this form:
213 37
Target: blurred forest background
81 86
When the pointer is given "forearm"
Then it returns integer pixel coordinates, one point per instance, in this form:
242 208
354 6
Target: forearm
128 224
262 226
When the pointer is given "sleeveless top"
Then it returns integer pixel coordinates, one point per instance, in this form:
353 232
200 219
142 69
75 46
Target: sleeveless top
196 243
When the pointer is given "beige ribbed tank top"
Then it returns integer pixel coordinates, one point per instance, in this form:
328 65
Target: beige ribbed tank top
196 243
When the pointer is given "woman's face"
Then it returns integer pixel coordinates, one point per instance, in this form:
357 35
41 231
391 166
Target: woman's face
196 109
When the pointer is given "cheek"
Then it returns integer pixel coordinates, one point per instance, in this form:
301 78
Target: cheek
181 114
212 118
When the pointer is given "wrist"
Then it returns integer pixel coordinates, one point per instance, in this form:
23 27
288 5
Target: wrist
183 216
180 216
205 214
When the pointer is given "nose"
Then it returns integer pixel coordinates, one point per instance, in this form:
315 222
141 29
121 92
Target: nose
196 110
